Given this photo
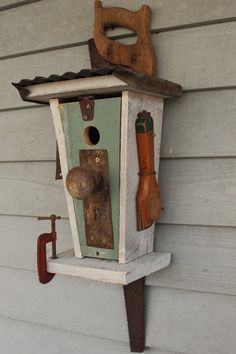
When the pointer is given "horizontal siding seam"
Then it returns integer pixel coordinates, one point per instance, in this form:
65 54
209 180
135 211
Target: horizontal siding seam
28 216
216 88
150 349
196 225
18 269
191 290
29 161
45 325
198 90
36 324
194 25
154 31
43 50
166 158
156 285
148 283
17 4
225 157
157 223
33 106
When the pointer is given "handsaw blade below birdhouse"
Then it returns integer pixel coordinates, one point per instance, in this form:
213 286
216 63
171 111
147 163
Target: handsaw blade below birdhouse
105 52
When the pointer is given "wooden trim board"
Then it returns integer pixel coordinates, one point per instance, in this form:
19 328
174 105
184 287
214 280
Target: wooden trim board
74 88
108 271
133 243
54 104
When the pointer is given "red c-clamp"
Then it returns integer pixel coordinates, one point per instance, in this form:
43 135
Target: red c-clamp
44 276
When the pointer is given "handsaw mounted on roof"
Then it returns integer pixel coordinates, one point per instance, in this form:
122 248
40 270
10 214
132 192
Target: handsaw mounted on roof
134 65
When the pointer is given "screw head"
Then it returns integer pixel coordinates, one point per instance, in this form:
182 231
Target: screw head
97 159
89 106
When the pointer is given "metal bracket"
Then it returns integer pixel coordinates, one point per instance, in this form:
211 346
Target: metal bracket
87 107
97 206
134 294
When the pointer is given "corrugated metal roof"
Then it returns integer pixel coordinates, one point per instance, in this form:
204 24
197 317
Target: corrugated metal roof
134 81
66 76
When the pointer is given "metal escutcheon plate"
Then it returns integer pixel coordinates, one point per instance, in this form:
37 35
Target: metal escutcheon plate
97 207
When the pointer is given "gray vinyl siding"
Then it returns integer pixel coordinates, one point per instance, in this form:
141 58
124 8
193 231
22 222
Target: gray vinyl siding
190 306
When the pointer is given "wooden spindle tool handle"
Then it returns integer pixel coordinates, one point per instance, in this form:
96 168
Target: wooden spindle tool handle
148 202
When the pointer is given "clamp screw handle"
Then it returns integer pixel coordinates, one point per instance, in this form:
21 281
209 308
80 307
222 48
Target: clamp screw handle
53 219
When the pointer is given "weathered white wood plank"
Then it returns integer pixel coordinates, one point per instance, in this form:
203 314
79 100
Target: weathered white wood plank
30 189
211 115
60 136
200 124
106 270
198 191
177 320
27 135
134 243
203 258
18 236
191 57
26 338
75 88
65 23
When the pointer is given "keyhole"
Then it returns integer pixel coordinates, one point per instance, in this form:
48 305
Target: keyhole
95 214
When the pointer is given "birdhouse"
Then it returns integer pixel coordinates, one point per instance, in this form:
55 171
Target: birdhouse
108 128
108 123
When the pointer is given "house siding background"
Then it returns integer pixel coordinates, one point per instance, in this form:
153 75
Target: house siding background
190 307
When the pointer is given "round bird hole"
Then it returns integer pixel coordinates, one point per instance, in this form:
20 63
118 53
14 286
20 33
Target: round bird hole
91 135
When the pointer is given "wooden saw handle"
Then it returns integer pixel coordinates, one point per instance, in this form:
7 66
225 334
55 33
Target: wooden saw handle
148 197
139 56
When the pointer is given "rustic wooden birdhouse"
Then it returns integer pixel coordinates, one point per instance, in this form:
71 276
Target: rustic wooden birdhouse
106 144
108 129
108 123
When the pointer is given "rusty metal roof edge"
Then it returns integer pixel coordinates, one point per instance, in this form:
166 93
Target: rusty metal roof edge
64 77
148 83
134 80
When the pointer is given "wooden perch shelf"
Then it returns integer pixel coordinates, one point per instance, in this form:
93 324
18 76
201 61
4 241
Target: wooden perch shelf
106 270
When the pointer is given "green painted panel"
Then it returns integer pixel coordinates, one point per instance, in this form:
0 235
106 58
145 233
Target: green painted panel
107 122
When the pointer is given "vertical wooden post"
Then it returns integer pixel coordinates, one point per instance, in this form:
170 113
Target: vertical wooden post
134 294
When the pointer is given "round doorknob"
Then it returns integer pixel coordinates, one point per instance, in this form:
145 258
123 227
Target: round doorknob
80 183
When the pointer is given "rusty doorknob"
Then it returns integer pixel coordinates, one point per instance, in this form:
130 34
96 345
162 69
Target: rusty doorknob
80 182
